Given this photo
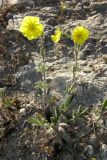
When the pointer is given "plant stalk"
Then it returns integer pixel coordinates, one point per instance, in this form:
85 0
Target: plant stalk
43 72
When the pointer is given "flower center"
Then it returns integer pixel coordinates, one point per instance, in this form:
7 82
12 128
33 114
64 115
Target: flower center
31 27
79 35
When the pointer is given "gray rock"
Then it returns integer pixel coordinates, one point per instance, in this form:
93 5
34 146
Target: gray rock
28 105
89 150
27 76
88 49
19 2
9 16
98 5
103 152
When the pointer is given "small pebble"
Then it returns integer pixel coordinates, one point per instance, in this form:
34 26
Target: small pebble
22 112
89 150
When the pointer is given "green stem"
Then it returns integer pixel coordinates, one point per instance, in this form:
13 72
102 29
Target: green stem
44 80
43 72
76 51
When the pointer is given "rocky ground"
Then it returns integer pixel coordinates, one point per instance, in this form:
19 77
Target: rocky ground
19 59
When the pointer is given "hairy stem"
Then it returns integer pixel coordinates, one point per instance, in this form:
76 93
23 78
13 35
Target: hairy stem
43 72
76 51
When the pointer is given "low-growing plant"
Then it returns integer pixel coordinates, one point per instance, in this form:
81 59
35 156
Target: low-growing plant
54 127
53 133
9 102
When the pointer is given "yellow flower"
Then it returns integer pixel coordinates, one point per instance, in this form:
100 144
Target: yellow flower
31 27
57 36
80 34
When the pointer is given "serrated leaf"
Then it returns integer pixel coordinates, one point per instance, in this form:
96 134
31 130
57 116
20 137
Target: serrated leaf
7 103
34 121
42 68
41 85
39 120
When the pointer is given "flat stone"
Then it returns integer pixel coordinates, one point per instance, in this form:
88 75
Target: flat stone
27 76
98 5
13 2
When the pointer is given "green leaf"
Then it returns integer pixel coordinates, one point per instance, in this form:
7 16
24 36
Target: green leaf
39 120
7 103
71 90
93 158
41 85
56 115
66 104
79 113
34 121
42 68
104 105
